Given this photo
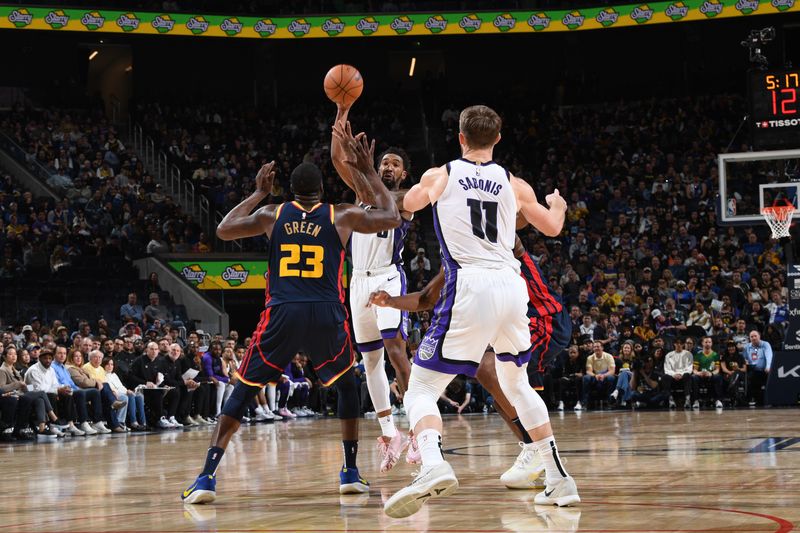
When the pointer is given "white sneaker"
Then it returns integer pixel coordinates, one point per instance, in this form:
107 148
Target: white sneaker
191 421
261 416
276 416
615 394
175 423
432 482
372 414
87 428
560 406
526 471
696 404
309 412
672 403
75 431
299 413
578 406
562 493
687 404
54 431
163 423
101 427
719 404
391 451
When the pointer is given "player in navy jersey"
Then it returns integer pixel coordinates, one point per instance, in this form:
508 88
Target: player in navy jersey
550 330
304 308
378 265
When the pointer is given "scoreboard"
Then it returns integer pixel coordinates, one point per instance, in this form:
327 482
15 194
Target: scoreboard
775 109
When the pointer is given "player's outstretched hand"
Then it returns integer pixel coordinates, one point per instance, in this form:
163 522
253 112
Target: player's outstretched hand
379 298
265 177
555 201
359 152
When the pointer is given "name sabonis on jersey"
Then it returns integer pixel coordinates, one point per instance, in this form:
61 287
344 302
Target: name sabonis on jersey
485 185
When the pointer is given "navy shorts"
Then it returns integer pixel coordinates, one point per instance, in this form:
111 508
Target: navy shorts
319 329
550 335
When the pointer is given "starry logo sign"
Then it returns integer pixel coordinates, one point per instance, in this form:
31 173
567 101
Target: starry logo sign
265 27
711 8
573 20
163 23
607 17
93 21
504 22
402 25
231 26
299 27
57 19
128 22
539 21
333 26
782 5
470 23
197 25
235 275
194 274
368 25
642 14
746 7
436 24
20 18
677 10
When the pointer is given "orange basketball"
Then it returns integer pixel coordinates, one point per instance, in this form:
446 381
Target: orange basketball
343 84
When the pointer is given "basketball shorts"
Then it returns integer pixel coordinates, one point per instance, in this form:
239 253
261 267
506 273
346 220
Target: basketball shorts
373 324
550 335
476 308
319 329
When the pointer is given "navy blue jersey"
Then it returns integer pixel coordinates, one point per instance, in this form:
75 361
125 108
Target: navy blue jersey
541 300
306 256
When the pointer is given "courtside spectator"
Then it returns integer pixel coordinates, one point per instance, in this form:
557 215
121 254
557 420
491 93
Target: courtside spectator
133 410
42 377
758 356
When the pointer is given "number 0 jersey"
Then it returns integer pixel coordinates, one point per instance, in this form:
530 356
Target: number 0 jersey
305 255
374 251
475 217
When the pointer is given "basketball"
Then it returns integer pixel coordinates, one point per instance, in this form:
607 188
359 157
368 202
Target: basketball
343 84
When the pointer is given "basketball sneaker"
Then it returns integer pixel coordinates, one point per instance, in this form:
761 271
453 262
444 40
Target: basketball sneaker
526 471
562 493
392 450
431 482
413 455
203 490
350 482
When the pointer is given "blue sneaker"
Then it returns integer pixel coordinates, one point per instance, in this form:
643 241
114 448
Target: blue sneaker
203 490
350 482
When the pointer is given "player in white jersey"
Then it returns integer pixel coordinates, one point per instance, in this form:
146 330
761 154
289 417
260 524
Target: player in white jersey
484 301
378 265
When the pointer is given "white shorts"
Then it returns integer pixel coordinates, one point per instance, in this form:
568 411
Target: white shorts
373 324
477 308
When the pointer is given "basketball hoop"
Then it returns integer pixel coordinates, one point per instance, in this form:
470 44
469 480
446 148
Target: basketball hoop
779 218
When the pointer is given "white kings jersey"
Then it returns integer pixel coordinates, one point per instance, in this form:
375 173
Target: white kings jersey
373 251
475 217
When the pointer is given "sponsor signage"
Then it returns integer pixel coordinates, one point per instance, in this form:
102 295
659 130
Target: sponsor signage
783 384
226 275
380 25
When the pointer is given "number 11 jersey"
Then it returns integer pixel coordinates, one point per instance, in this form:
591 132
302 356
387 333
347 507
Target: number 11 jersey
475 217
305 255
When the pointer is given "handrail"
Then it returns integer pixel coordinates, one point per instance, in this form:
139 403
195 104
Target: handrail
29 160
226 246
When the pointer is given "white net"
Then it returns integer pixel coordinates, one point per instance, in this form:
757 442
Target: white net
779 219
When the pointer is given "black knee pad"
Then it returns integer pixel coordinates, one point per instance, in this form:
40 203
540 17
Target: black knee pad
237 403
348 395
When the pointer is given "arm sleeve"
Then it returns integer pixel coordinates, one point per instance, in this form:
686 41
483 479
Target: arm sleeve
768 354
136 376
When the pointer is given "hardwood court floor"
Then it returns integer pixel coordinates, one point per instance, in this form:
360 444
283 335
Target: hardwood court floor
643 471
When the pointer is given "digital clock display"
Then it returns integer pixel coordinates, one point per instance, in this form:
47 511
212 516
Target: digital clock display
775 109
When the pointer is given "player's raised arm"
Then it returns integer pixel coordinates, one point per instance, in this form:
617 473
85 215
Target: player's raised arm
351 178
427 191
413 302
241 222
550 220
385 215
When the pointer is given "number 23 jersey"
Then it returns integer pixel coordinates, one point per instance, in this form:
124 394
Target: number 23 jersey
305 255
475 217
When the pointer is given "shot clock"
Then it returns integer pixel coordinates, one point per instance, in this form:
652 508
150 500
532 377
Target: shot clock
775 108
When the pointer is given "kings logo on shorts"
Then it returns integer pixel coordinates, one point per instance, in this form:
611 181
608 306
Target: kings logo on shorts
607 17
539 21
128 22
711 8
746 7
573 20
504 22
782 5
57 19
427 348
402 25
231 26
299 27
265 27
93 21
436 24
677 10
333 26
163 23
194 274
20 18
235 275
368 25
197 25
642 14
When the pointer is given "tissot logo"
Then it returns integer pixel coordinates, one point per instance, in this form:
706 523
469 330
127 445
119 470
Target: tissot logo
792 372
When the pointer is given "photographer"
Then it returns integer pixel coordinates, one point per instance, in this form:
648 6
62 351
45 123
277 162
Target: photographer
645 384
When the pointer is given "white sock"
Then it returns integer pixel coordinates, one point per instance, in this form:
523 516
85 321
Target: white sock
430 447
553 466
387 426
271 397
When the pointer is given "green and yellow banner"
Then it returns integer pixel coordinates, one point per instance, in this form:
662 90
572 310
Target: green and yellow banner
228 274
383 25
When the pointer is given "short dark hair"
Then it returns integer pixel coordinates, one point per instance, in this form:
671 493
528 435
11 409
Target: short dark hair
46 353
402 154
480 125
306 178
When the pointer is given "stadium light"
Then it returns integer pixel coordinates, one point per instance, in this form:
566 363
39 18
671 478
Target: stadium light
93 54
411 68
129 68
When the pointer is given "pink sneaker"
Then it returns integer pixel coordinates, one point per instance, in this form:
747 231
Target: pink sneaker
285 413
413 457
392 450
